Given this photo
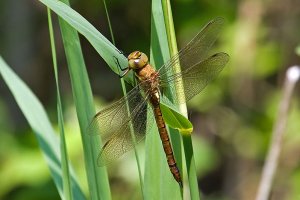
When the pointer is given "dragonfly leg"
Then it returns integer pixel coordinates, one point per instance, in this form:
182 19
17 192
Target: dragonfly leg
124 71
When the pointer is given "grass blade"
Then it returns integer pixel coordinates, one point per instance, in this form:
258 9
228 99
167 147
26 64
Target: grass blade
97 177
125 90
187 141
63 147
109 23
159 182
102 45
41 126
176 120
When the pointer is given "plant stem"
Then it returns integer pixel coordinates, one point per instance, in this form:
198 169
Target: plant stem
271 162
63 147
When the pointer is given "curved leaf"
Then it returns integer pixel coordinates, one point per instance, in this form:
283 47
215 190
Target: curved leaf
102 45
176 121
41 126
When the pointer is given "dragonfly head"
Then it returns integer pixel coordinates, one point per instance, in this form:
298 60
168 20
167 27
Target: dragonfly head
137 60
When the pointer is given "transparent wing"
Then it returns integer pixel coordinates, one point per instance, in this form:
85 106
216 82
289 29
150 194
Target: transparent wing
195 78
196 50
114 124
112 118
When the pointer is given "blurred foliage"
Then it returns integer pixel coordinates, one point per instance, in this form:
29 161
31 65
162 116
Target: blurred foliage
298 50
232 118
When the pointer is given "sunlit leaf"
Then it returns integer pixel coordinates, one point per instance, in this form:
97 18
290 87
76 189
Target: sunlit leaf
41 126
176 120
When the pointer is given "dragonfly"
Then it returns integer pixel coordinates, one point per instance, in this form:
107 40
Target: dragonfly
136 111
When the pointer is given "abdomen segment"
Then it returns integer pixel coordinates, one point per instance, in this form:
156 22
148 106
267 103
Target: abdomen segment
166 143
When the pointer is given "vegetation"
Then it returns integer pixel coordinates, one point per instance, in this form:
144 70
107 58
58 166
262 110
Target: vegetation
234 119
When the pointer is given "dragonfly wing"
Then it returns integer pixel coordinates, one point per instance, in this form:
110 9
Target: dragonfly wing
113 117
121 142
196 50
195 78
115 123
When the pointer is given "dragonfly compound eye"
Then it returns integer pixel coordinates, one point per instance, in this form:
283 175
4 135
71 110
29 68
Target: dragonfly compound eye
137 60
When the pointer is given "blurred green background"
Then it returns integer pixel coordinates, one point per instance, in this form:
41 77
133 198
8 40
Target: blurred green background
233 117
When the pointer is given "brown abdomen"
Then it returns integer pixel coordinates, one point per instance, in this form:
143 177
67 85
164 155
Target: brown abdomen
166 142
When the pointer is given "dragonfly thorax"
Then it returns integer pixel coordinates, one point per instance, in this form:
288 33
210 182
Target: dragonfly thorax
118 123
137 60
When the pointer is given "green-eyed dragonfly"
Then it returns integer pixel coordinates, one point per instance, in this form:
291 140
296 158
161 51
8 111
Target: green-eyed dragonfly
130 112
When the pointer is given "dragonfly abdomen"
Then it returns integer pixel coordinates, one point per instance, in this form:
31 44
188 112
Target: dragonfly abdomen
166 142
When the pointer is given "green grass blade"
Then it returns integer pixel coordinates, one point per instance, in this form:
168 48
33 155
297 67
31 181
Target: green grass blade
125 90
41 126
159 182
190 166
63 147
182 123
167 11
176 120
102 45
109 24
97 177
187 142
